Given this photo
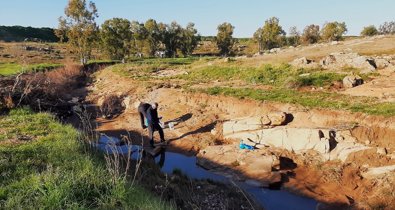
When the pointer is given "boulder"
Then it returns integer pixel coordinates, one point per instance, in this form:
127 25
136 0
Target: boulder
277 118
382 63
293 139
351 81
245 124
341 60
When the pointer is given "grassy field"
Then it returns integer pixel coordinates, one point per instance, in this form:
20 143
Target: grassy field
43 166
276 75
7 69
287 84
308 99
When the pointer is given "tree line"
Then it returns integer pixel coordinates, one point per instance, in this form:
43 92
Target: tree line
120 38
20 33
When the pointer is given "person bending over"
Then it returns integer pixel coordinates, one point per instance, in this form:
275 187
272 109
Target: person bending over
153 123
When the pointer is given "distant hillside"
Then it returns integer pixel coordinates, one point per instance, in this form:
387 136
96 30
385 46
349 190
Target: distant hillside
20 33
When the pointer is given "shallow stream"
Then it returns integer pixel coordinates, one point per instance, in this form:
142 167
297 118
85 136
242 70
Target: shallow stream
169 161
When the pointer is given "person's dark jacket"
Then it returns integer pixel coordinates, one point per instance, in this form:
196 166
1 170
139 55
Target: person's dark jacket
143 108
152 116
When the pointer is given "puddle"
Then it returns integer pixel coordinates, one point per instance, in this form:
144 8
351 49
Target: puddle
169 161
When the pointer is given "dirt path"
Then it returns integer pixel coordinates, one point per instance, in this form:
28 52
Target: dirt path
197 115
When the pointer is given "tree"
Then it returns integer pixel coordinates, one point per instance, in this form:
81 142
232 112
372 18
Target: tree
311 34
189 39
116 38
387 28
257 37
294 37
224 38
79 27
271 34
171 36
369 31
139 34
333 31
153 36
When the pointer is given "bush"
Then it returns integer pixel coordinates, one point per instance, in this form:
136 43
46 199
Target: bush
369 31
311 34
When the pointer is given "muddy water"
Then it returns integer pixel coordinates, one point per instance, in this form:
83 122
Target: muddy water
170 161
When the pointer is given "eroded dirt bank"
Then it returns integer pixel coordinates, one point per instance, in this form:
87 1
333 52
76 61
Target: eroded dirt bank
359 177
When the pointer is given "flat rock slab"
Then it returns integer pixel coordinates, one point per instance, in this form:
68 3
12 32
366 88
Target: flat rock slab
344 149
230 157
377 172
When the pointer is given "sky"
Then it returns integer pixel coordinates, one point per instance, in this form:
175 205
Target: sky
246 15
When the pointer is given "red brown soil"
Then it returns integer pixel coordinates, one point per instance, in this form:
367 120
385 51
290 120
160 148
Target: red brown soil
331 182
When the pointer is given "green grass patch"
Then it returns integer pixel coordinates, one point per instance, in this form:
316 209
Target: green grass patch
281 75
142 69
7 69
52 171
309 99
169 61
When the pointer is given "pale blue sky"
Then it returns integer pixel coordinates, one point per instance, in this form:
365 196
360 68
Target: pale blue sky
245 15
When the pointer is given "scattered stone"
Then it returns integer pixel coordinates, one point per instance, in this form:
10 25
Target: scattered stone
74 100
381 151
303 62
275 50
126 102
352 81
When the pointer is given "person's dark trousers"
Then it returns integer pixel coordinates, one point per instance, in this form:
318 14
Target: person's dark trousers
151 129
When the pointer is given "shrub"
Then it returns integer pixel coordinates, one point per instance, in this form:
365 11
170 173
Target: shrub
369 31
